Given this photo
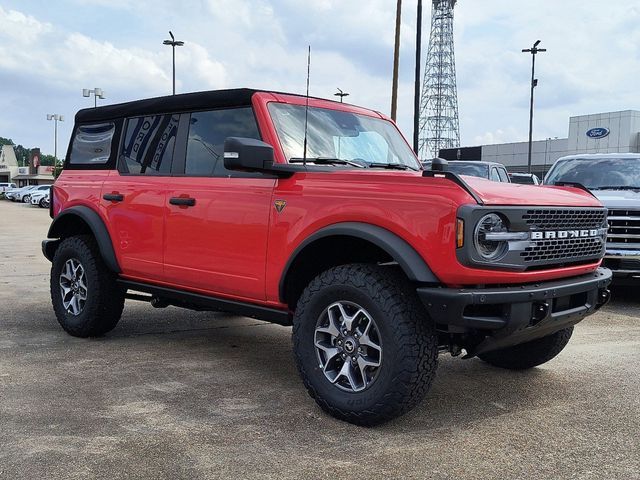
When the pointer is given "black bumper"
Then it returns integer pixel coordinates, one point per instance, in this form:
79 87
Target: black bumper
506 316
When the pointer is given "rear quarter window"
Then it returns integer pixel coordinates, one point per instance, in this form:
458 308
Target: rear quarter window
92 144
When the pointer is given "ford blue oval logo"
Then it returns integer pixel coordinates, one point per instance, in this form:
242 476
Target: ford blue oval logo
599 132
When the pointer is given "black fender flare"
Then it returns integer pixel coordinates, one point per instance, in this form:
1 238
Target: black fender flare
95 224
413 265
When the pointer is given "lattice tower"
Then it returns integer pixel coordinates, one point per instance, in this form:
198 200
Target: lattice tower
438 121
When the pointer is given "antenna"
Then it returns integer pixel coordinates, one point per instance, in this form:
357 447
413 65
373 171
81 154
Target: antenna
306 110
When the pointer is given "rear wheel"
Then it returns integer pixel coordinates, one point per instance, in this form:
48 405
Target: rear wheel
86 299
530 354
26 199
363 344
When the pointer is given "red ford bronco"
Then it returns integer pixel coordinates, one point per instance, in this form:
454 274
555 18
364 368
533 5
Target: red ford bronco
317 214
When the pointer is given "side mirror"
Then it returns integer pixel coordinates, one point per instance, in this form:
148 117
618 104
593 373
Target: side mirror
439 165
247 154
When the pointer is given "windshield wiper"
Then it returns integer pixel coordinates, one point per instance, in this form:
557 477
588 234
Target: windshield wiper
616 187
391 166
326 161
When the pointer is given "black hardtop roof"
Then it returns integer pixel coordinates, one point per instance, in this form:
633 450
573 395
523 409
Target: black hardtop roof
236 97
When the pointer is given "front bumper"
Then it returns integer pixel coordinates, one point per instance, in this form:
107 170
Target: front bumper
625 265
506 316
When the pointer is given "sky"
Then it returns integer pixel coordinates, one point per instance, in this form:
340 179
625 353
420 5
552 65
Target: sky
51 50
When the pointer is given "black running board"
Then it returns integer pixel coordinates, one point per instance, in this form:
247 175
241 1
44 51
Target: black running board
182 298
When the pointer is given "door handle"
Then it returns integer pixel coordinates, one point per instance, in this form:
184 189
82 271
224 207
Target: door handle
182 201
113 197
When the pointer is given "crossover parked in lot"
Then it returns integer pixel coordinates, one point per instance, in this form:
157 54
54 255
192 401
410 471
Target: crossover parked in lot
614 178
6 186
41 198
317 214
490 170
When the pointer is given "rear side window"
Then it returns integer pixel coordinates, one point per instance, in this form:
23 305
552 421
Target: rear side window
207 132
92 144
148 145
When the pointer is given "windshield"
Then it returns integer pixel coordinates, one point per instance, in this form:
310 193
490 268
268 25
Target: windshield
597 173
334 134
479 170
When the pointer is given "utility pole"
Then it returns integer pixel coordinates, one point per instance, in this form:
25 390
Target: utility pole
534 82
416 91
396 63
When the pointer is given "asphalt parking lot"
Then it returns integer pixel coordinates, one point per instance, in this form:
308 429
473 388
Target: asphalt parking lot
178 394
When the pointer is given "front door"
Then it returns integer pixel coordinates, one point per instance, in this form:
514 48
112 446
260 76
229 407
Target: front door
217 220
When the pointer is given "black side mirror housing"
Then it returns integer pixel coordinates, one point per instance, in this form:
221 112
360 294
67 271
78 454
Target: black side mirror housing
247 154
439 165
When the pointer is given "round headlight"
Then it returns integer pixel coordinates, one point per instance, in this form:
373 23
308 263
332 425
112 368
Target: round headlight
490 249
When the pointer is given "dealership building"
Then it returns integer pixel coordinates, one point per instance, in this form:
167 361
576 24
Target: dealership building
612 132
33 174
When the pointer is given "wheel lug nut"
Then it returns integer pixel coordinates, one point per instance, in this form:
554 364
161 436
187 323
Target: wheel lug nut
354 358
344 356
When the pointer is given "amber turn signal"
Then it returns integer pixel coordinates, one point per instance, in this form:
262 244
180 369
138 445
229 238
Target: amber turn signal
460 233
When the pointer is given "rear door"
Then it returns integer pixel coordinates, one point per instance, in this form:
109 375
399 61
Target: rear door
133 196
217 220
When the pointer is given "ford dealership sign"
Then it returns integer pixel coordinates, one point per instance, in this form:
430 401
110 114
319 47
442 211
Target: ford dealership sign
599 132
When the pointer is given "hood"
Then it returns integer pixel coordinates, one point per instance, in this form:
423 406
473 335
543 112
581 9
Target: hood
497 193
628 199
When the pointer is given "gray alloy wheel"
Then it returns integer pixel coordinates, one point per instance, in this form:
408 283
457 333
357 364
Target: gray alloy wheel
73 287
348 346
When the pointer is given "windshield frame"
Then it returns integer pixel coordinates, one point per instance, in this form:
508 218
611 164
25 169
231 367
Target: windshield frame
390 136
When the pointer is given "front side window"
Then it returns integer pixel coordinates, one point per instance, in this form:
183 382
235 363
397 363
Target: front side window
471 169
207 133
148 145
504 176
92 144
335 134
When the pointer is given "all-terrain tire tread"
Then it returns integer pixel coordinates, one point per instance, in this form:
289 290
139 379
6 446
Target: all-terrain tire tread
530 354
105 311
418 342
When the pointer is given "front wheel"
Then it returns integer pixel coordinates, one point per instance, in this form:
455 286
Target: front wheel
363 344
529 354
85 296
44 203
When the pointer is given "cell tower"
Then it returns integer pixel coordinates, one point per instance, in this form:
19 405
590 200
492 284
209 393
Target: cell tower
438 121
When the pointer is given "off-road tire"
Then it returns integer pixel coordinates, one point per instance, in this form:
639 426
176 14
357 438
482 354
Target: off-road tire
530 354
408 339
105 299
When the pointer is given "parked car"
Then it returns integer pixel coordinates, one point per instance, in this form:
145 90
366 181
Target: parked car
524 178
489 170
25 196
614 178
17 194
6 186
41 198
334 229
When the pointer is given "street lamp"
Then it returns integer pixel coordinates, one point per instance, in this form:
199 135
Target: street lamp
534 82
98 93
56 118
174 43
341 94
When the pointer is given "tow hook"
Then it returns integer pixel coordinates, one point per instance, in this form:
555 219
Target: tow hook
540 312
604 295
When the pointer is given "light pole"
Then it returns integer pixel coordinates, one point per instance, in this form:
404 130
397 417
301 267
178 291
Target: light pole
56 118
396 62
341 94
534 82
174 43
98 93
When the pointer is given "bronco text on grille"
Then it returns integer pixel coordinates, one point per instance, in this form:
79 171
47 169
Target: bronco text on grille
570 235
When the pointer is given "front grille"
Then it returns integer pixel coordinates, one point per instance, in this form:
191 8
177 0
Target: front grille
563 251
567 250
563 219
624 229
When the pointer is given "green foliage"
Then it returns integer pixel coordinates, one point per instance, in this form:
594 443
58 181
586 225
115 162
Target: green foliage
23 154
